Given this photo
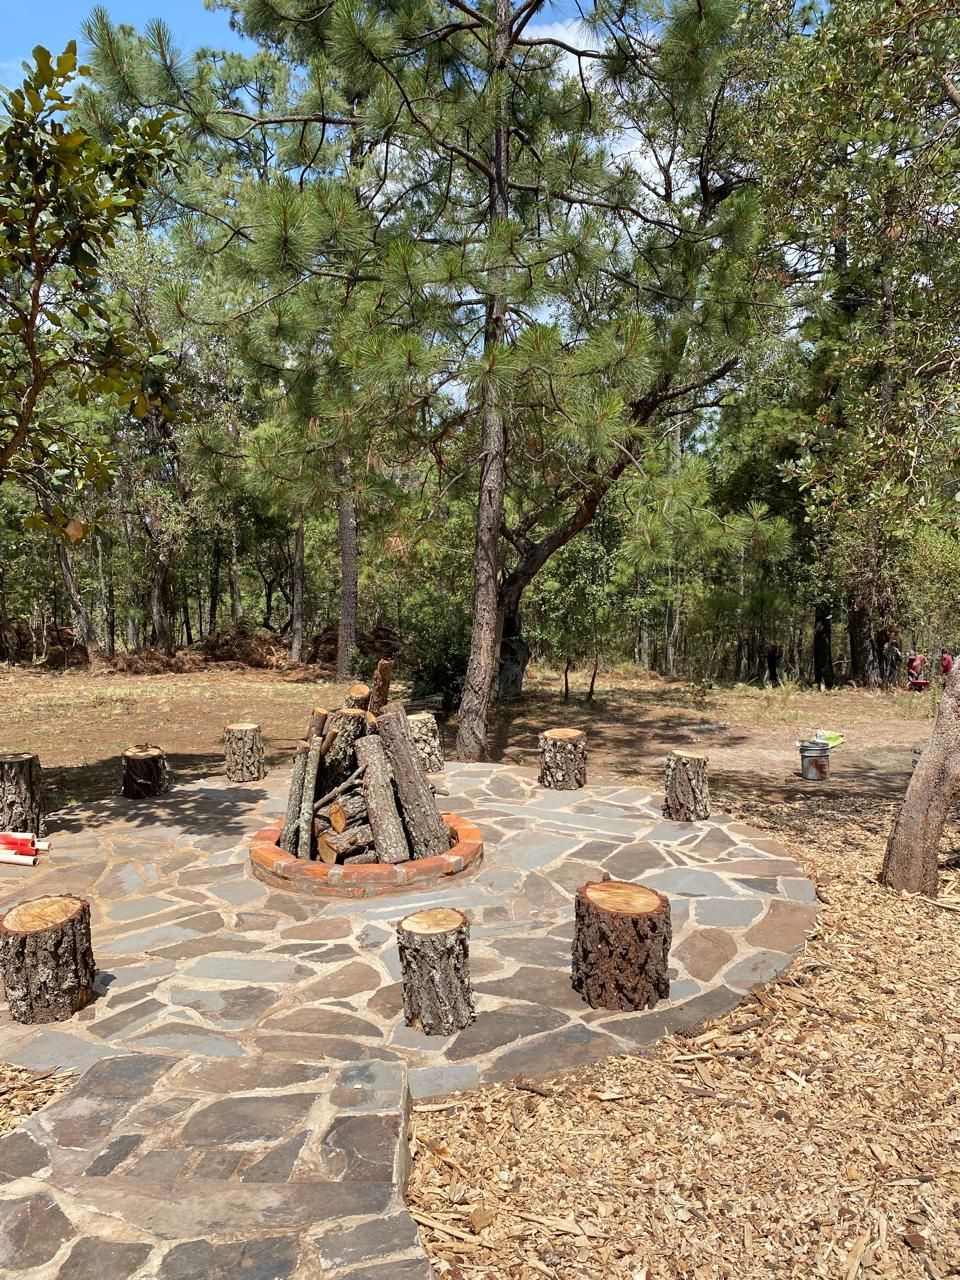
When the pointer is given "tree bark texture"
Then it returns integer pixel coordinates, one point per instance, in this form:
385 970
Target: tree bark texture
425 733
563 759
243 747
686 791
305 834
21 792
427 832
380 688
434 950
347 811
46 958
290 835
621 945
81 616
144 773
318 722
382 813
350 725
864 661
349 562
297 593
910 862
334 847
514 656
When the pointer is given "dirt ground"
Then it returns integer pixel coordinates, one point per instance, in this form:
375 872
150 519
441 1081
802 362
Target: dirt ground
814 1132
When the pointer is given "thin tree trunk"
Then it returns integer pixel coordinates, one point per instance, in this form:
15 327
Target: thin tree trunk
107 605
865 665
160 605
236 603
81 616
823 645
349 569
214 587
297 593
482 665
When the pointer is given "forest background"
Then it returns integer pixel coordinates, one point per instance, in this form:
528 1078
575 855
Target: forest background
484 332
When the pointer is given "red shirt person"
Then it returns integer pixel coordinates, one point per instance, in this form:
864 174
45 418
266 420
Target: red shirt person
915 664
946 662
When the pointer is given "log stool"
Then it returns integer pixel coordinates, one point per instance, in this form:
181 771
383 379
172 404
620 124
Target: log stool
425 733
621 942
686 793
46 958
435 961
563 759
144 772
21 792
243 747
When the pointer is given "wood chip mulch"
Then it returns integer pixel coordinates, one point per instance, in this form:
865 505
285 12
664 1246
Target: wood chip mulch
23 1091
813 1132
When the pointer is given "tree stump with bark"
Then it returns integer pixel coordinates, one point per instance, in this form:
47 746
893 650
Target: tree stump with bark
382 813
563 759
46 958
621 945
427 832
435 962
357 696
21 792
687 794
144 772
243 747
425 733
380 688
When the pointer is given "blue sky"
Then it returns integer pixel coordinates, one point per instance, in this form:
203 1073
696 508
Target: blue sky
26 23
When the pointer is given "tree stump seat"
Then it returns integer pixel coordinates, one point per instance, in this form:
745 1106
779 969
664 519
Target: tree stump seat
243 748
21 792
145 772
621 945
686 791
563 759
46 958
434 950
425 733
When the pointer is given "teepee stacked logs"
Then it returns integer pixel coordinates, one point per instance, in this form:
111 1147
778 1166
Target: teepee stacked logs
243 748
359 792
21 792
144 772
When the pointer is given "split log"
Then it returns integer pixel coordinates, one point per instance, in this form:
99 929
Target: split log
380 689
621 943
144 772
687 795
243 747
382 814
290 835
304 839
318 722
350 809
425 733
349 724
21 792
435 962
427 832
358 695
46 958
332 847
563 759
358 859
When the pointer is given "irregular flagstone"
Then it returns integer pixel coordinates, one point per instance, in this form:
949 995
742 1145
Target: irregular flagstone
259 1126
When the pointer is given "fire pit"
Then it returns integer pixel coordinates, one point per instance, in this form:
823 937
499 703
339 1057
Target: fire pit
362 815
282 870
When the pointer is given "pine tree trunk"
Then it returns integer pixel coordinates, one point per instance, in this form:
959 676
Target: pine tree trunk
863 654
21 792
911 858
382 813
425 733
216 558
349 567
297 593
144 773
687 793
514 656
46 958
160 605
563 759
621 945
823 646
482 664
236 600
427 832
81 617
243 745
434 950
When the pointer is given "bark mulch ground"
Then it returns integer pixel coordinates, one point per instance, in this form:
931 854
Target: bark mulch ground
813 1132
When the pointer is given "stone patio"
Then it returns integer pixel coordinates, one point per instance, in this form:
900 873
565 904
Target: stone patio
247 1073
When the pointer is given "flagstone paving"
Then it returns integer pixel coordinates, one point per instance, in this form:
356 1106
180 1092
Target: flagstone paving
247 1075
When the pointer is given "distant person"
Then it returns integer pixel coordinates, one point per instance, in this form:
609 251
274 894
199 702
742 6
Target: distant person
946 663
915 665
893 656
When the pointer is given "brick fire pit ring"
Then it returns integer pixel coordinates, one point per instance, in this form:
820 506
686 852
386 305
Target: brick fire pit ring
282 870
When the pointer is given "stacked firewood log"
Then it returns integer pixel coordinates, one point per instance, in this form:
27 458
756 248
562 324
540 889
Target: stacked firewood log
359 791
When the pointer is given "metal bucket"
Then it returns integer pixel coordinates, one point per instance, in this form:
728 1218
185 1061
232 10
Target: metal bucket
815 761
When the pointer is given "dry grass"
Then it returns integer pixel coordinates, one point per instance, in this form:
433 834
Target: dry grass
814 1132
